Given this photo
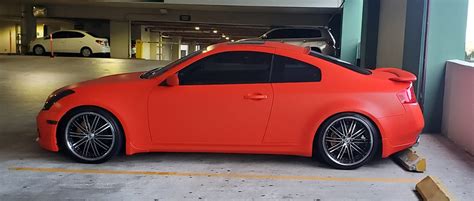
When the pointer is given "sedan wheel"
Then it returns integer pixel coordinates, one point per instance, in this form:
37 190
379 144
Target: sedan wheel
38 50
348 141
92 136
86 52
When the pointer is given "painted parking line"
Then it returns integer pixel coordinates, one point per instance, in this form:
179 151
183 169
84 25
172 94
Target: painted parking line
222 175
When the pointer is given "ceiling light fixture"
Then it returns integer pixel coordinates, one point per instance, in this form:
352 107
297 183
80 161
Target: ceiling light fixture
215 31
232 40
227 38
197 28
223 36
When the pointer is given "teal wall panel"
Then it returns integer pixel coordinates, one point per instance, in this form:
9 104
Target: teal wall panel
351 29
446 33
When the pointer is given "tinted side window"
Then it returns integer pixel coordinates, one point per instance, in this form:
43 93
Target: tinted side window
290 70
60 34
294 33
228 68
75 35
279 33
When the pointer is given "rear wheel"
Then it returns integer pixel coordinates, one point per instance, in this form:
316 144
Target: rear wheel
86 52
347 141
90 135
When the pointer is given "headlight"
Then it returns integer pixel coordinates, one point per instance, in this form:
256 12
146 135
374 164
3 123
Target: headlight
53 98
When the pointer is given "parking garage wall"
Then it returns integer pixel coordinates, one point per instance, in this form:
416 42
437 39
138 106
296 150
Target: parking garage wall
8 37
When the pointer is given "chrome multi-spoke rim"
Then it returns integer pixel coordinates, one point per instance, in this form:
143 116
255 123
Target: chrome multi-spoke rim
348 141
90 136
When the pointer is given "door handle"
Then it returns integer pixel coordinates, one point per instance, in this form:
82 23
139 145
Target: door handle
256 96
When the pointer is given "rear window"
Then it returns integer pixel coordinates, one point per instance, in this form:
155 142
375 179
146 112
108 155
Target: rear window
342 63
294 33
93 35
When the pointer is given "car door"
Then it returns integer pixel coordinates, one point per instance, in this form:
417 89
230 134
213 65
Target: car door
74 42
59 41
299 98
222 99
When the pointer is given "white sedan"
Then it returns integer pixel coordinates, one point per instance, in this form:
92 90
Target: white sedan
70 41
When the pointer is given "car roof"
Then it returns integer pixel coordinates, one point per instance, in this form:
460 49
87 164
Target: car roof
261 43
72 30
300 27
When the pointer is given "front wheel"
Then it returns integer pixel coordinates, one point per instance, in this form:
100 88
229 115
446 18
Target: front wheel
38 50
347 141
90 135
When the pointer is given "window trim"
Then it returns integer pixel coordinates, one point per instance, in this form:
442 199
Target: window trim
339 62
273 58
267 81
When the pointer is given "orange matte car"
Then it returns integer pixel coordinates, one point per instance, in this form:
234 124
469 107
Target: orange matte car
240 97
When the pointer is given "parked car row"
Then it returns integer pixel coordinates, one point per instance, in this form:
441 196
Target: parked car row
70 41
319 39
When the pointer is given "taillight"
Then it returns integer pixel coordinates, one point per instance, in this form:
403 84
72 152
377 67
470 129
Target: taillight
408 95
101 42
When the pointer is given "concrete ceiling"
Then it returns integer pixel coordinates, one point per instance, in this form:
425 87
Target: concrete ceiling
205 33
198 6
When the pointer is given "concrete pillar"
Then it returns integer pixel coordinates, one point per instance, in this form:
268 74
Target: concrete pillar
391 34
145 38
413 51
351 30
120 37
175 48
192 47
370 30
154 39
28 26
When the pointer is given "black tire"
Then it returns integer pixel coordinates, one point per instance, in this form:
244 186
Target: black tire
39 50
81 143
86 52
350 140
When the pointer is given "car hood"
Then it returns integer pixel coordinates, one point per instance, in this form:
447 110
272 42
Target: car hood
110 80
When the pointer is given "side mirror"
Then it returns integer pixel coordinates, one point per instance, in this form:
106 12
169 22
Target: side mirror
172 80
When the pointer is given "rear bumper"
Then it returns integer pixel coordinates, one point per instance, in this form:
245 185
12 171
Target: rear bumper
97 49
402 131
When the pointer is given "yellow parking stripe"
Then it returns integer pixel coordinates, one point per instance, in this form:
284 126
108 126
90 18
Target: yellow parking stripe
224 175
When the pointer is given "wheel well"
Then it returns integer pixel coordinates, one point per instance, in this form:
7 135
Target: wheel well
85 47
379 151
68 113
38 45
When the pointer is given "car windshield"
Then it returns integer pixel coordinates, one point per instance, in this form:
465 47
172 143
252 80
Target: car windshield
160 70
340 62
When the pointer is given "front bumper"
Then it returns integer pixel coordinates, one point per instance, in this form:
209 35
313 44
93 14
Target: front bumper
47 124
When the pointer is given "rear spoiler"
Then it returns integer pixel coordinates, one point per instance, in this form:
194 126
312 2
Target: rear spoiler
401 75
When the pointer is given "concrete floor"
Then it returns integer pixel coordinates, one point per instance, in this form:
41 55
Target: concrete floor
30 173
